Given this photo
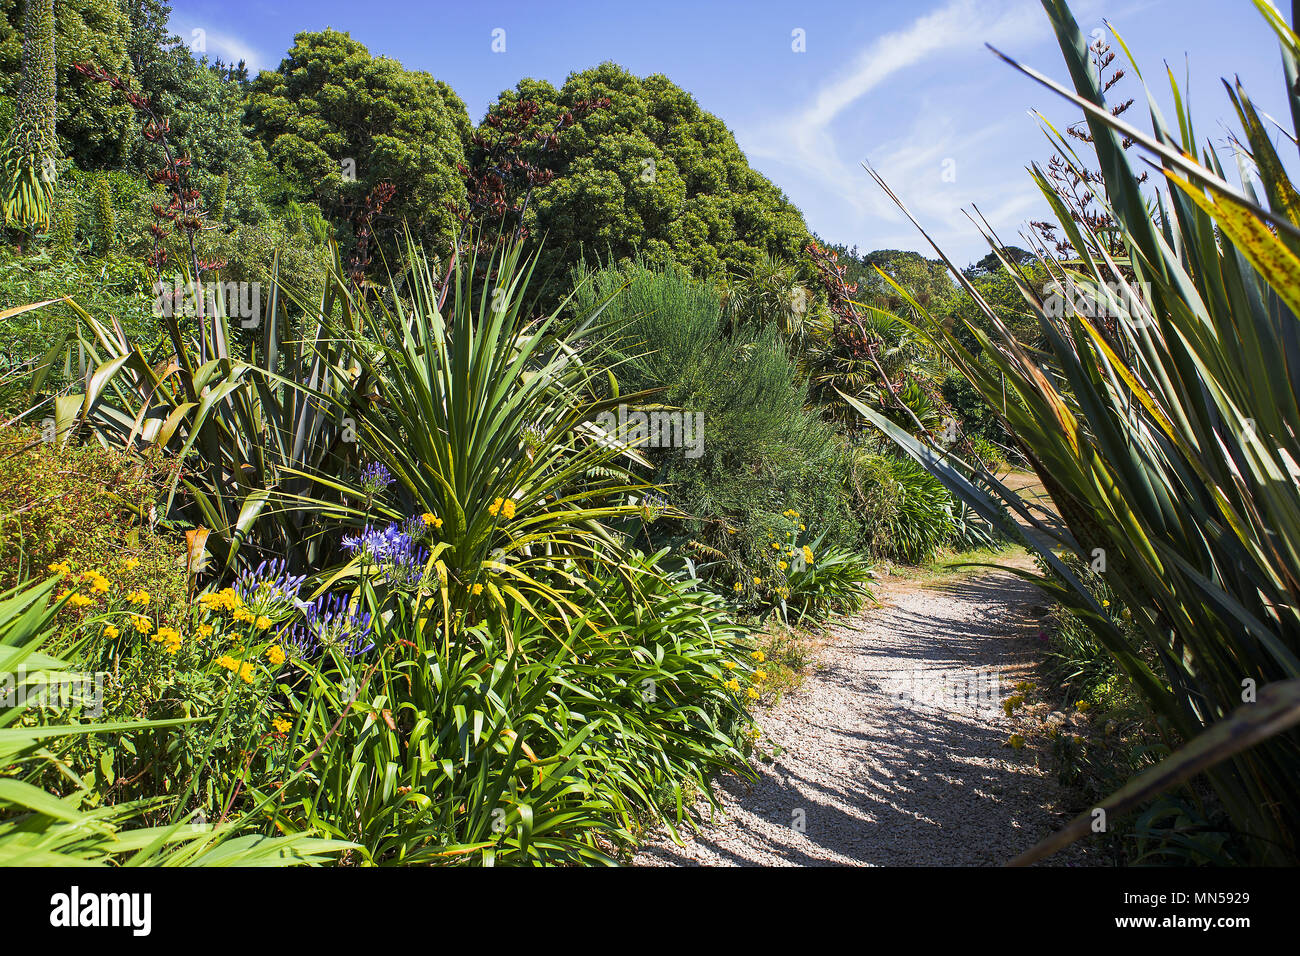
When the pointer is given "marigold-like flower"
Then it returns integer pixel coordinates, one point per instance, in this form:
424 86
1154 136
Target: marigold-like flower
431 520
503 506
477 589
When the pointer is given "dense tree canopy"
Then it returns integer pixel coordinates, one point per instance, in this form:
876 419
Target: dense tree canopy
330 101
95 126
652 173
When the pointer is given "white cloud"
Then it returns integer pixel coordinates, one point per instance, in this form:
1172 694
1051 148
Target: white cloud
217 44
839 117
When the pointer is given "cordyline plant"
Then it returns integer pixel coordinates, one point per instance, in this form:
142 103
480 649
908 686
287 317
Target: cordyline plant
1173 460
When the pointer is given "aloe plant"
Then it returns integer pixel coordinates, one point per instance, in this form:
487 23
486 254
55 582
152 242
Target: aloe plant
1164 424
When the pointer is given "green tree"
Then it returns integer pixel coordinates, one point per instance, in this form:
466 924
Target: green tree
653 173
336 121
95 127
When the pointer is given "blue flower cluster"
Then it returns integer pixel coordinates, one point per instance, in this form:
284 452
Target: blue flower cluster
333 621
269 588
395 549
375 478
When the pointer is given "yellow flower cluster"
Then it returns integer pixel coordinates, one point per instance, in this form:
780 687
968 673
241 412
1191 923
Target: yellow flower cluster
807 554
758 656
275 654
732 685
169 638
782 565
477 589
431 520
245 670
227 599
138 597
205 630
503 506
141 623
281 725
791 513
60 568
111 632
752 693
130 564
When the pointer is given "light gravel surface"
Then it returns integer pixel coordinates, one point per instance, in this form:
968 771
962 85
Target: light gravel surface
893 752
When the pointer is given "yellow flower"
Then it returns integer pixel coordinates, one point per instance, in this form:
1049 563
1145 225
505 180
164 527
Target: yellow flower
60 568
275 654
246 672
803 527
138 597
141 624
280 725
1105 604
228 662
758 656
731 531
110 632
504 506
758 580
477 589
807 554
79 600
205 630
732 685
131 563
775 546
752 694
729 665
737 586
781 565
1083 705
759 676
431 520
262 622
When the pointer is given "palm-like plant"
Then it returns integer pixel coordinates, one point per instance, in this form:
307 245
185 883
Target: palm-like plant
1166 427
485 418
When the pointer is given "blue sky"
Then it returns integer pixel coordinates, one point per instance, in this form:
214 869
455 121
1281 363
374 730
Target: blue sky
906 84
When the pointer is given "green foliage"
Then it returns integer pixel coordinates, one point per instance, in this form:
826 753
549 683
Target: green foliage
653 175
95 127
85 506
26 161
762 448
104 234
906 513
331 101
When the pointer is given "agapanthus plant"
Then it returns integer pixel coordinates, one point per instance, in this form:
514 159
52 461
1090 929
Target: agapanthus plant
333 622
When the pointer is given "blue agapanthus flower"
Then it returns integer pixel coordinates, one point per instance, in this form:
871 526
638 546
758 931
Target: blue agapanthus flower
395 550
270 587
333 621
375 478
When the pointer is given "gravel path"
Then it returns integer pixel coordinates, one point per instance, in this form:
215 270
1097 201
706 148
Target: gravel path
894 752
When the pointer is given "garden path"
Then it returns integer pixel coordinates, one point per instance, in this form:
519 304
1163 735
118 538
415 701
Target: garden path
894 751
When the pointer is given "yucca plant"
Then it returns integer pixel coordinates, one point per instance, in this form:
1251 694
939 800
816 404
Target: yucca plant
1165 425
485 420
